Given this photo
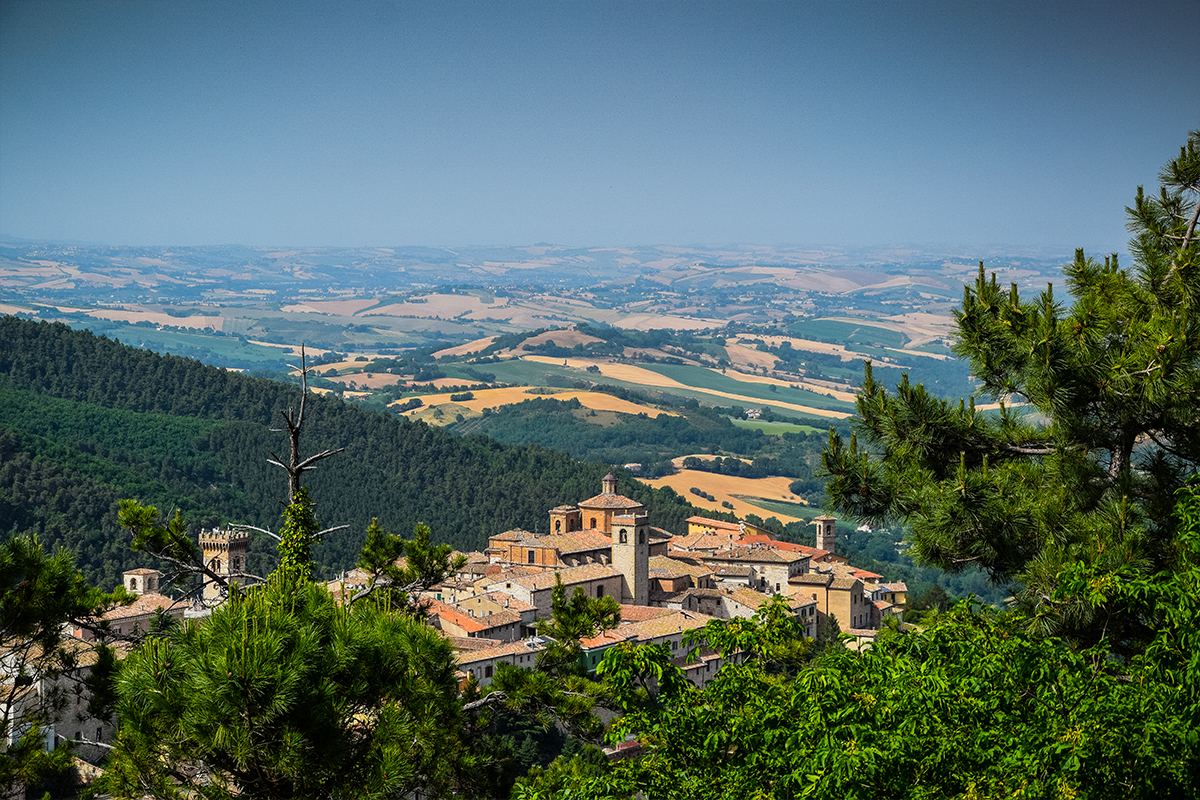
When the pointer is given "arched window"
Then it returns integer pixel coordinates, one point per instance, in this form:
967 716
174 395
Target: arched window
558 526
133 584
623 537
642 537
593 522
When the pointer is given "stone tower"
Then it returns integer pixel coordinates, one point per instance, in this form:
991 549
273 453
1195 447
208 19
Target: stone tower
142 581
565 519
825 534
224 554
631 555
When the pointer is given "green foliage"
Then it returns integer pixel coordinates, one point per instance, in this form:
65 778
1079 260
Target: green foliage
773 637
571 620
1087 470
974 706
398 567
91 421
296 536
283 692
39 595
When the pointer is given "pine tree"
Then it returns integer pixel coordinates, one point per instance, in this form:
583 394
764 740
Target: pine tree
285 693
39 595
1097 430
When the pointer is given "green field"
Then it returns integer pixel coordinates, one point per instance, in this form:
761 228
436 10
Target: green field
781 507
532 373
774 427
837 331
704 378
221 351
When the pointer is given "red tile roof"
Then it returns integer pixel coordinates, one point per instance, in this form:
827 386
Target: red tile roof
610 501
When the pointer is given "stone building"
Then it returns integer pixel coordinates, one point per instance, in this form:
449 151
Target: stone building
225 554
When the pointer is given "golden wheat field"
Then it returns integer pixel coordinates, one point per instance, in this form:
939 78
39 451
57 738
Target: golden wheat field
724 487
466 349
157 318
494 398
645 377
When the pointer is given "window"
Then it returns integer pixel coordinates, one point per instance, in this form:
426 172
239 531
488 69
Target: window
558 526
487 672
623 539
532 555
593 522
133 584
642 537
600 590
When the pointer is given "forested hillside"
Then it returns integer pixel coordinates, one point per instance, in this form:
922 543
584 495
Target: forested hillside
85 421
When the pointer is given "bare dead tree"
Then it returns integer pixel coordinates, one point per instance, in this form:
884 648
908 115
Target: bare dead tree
294 419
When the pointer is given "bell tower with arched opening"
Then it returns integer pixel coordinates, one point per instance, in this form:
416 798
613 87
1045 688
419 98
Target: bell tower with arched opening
225 554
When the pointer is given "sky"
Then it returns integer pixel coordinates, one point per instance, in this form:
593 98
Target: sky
589 123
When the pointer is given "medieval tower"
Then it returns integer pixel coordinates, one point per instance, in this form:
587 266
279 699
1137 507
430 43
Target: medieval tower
825 533
629 528
225 554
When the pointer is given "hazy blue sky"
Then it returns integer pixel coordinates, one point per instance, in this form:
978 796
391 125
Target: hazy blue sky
589 123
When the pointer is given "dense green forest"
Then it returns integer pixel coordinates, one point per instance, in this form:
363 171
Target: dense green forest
85 421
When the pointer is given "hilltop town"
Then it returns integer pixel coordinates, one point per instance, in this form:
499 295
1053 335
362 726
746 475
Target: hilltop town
667 584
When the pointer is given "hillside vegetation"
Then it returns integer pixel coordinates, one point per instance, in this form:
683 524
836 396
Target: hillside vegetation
85 421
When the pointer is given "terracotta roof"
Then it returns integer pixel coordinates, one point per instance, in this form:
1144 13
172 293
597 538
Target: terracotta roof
522 647
467 622
500 598
748 597
570 577
563 508
603 501
471 643
733 570
716 523
812 579
514 535
676 565
608 638
841 582
710 593
895 586
512 572
762 538
630 613
145 604
755 555
702 541
846 571
141 571
864 633
675 622
574 542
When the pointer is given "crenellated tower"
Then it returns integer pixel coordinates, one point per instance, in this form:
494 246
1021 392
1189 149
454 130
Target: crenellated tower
225 554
